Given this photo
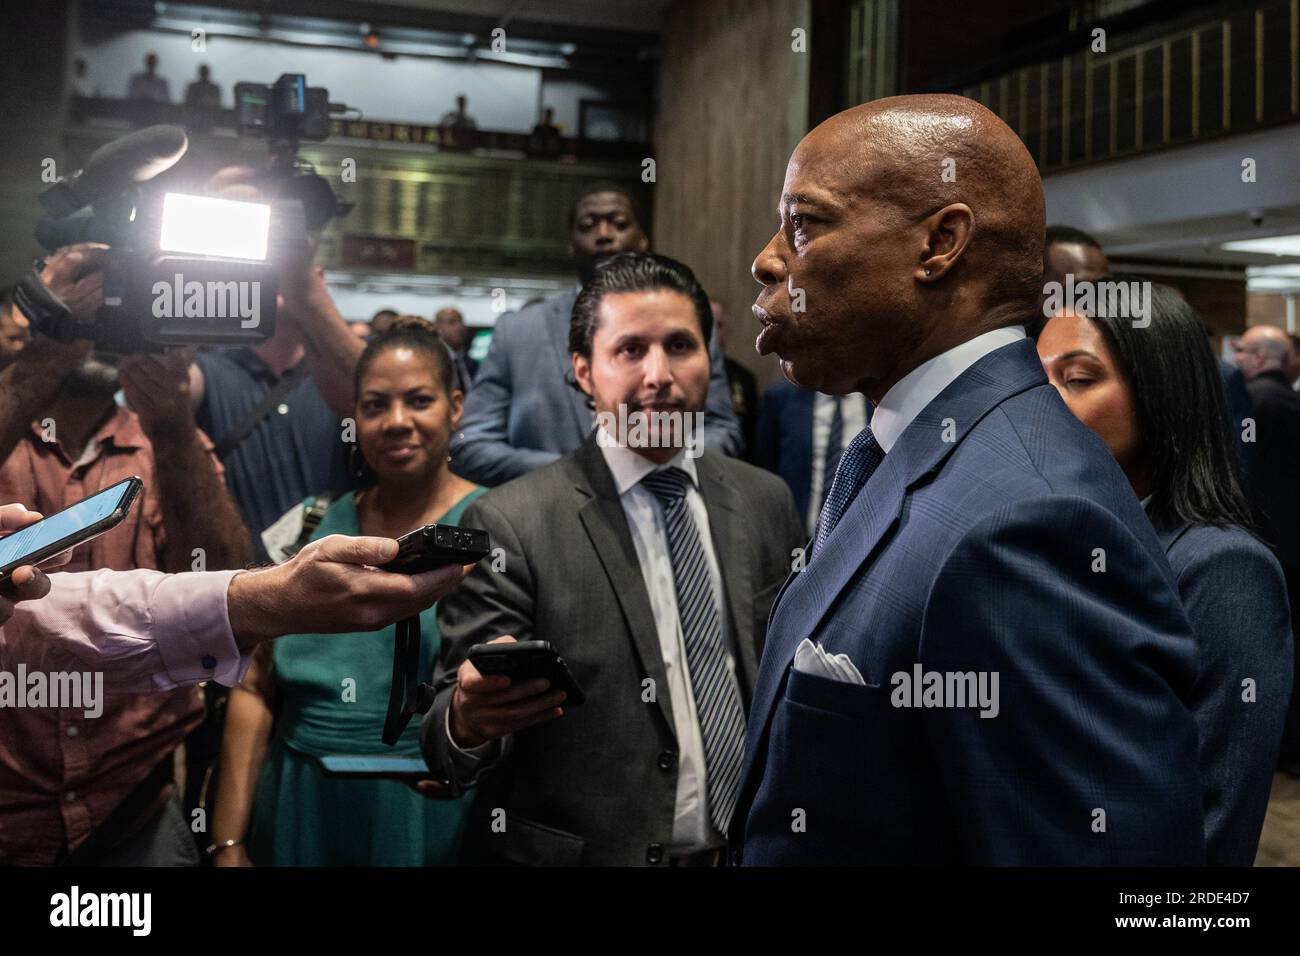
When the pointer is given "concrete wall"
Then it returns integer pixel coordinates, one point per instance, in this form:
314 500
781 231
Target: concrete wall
732 106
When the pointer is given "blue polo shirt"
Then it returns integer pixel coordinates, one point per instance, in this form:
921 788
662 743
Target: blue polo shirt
296 451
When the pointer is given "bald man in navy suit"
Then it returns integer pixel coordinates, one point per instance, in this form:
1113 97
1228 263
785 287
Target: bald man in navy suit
984 659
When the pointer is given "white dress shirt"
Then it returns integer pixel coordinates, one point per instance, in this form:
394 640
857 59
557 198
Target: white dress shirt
145 630
693 828
919 387
855 419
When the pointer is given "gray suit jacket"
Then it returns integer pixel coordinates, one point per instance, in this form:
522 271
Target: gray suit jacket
597 785
522 413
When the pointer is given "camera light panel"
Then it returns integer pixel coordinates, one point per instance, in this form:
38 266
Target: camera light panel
207 226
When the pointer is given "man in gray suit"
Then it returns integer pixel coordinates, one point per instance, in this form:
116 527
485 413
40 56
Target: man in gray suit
523 411
650 565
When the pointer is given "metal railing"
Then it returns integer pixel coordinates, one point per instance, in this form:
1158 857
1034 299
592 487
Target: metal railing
1227 75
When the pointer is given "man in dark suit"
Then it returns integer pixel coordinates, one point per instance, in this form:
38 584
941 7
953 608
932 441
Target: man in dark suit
523 411
801 435
1264 356
453 331
983 660
651 569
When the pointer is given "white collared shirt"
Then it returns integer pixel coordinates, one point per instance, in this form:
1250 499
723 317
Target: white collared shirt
693 828
855 419
919 387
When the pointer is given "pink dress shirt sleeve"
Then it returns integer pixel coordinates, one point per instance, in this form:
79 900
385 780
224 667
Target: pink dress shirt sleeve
145 630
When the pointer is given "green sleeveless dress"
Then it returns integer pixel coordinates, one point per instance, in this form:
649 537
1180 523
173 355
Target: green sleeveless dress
333 695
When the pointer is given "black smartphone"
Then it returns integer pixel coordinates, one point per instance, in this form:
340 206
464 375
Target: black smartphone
74 525
368 767
436 546
524 660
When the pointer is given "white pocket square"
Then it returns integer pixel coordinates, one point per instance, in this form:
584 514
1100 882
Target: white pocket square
809 658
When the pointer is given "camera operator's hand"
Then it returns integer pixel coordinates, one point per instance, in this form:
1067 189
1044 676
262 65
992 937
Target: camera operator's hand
332 586
26 583
157 388
303 290
485 707
76 275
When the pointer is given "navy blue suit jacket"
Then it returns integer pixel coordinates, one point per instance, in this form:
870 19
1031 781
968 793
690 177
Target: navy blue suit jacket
977 547
783 444
1235 597
784 440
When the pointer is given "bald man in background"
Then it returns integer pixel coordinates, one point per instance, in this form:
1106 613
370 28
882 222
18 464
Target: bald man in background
984 660
1265 355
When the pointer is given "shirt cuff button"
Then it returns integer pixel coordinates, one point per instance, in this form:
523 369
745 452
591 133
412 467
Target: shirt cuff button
209 662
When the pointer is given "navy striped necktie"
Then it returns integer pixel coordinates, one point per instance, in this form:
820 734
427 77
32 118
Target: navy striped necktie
717 696
859 461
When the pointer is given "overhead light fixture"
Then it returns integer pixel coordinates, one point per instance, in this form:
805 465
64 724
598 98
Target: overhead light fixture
1271 246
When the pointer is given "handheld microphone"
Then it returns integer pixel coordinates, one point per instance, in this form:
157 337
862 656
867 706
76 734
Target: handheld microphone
136 158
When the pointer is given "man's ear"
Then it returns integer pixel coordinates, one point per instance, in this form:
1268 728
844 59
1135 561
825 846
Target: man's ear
948 234
582 373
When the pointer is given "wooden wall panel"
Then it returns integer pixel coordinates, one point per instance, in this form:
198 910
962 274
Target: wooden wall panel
732 106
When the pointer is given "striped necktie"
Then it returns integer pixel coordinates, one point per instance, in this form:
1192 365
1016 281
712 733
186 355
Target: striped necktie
860 459
717 696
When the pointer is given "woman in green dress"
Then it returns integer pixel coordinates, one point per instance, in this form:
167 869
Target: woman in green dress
307 697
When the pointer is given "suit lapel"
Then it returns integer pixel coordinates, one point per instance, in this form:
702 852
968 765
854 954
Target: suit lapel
809 594
920 450
559 310
727 528
605 522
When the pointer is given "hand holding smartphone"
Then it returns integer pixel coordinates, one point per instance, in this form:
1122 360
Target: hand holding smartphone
44 540
526 660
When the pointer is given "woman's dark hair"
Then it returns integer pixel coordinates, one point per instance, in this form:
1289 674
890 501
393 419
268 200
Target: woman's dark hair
1185 425
634 272
417 335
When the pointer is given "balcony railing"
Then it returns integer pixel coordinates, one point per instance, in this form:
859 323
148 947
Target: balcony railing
1228 75
380 132
468 203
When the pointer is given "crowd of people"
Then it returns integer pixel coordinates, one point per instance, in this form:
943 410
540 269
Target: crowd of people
1094 518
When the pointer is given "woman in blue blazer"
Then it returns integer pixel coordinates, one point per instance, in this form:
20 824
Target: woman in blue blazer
1153 393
